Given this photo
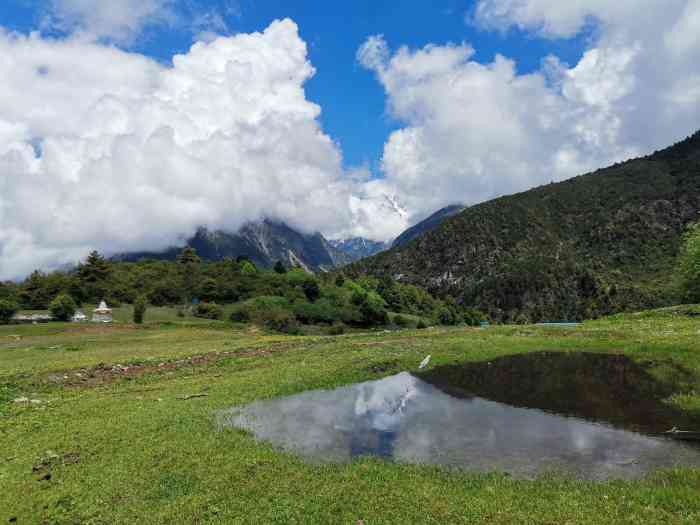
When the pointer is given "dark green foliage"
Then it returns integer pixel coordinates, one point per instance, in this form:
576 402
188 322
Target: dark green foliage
688 269
321 299
339 280
400 320
8 308
421 325
37 291
257 306
92 278
240 315
9 290
373 309
280 267
208 311
473 317
448 316
336 329
321 312
557 252
311 289
63 307
190 264
140 306
208 289
325 311
280 320
165 293
188 256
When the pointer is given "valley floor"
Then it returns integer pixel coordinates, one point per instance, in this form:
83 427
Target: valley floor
118 427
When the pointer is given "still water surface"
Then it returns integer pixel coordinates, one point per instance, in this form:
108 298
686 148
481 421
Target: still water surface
406 419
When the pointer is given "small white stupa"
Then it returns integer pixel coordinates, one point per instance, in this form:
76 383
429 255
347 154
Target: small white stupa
79 317
102 314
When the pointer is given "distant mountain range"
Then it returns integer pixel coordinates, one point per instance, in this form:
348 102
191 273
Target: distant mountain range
594 244
263 242
358 247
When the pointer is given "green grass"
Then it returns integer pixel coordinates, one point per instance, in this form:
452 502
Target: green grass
131 451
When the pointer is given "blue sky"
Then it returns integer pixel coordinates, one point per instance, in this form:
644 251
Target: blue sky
352 101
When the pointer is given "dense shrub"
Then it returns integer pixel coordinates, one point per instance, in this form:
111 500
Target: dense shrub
240 315
373 310
337 329
447 316
164 293
208 311
248 268
473 317
400 320
311 290
208 290
421 325
312 313
280 320
139 309
522 318
324 299
63 307
8 309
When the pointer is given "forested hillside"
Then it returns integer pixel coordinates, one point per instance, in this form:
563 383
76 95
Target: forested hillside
597 243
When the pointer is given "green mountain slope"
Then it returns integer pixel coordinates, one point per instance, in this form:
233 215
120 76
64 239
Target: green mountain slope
594 244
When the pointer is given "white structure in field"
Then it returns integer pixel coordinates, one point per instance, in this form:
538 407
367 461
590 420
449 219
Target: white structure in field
102 314
79 317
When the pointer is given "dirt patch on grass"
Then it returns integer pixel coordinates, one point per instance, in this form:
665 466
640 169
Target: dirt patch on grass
99 328
108 373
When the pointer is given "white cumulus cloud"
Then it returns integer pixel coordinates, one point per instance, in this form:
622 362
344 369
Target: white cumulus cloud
115 20
100 148
472 131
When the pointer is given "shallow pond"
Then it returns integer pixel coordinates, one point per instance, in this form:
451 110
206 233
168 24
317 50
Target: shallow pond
407 419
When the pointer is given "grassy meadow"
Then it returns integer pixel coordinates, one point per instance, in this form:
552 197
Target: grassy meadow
108 430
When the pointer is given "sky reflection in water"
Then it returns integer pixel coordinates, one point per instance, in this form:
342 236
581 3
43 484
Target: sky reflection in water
408 420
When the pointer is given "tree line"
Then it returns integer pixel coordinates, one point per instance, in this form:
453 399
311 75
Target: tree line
282 298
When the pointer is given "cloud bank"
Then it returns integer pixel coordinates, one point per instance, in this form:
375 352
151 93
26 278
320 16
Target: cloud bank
100 148
473 131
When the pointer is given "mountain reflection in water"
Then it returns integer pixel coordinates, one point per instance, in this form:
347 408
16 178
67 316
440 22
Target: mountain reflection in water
408 420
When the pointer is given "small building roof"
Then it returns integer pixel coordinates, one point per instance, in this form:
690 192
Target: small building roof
102 308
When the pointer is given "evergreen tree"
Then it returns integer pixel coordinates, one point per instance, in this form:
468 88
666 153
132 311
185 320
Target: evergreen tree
93 277
280 267
34 294
139 309
95 268
189 263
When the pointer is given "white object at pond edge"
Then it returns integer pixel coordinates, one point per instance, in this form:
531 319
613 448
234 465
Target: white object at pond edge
424 363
